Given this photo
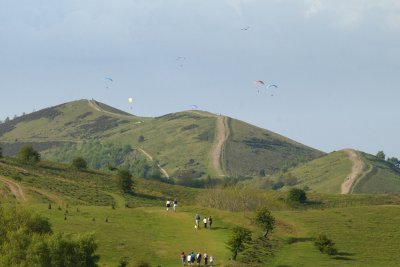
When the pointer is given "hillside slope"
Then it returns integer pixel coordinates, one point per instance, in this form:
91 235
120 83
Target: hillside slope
348 171
185 145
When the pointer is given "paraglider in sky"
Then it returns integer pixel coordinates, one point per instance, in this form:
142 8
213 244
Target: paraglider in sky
259 82
181 60
194 107
268 86
245 28
108 81
130 100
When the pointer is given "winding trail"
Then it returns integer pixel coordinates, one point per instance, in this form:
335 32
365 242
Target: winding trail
94 105
217 151
357 171
15 189
158 165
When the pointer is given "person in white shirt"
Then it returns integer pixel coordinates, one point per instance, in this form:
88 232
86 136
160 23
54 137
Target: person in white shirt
205 222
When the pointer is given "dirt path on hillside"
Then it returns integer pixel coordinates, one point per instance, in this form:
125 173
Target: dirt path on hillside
217 151
93 104
356 171
158 165
15 189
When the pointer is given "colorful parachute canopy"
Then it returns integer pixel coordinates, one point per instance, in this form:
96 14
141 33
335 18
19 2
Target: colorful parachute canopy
259 82
130 100
194 106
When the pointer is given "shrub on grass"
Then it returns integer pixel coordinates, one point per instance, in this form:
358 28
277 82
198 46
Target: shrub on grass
28 154
265 220
241 236
297 195
325 245
125 181
79 163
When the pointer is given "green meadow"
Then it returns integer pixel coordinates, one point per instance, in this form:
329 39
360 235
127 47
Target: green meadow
137 226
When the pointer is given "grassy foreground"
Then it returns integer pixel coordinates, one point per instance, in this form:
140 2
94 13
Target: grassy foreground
364 236
364 227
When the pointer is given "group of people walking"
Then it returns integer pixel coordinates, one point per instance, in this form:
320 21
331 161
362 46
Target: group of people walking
174 203
192 258
206 221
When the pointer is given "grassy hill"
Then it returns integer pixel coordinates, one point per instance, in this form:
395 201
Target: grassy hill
185 144
328 173
81 202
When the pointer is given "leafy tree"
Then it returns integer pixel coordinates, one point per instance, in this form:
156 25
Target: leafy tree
125 181
265 220
394 161
1 152
325 245
7 119
28 154
261 173
381 155
27 240
79 163
297 195
241 236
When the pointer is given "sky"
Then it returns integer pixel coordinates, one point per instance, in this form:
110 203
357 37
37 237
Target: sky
336 62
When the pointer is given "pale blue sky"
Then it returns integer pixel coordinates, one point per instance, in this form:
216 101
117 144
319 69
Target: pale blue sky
337 62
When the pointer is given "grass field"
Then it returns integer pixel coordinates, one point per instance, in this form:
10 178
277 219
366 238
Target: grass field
143 233
364 236
364 227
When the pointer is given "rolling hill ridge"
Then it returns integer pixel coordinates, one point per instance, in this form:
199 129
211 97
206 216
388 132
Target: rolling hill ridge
348 172
185 145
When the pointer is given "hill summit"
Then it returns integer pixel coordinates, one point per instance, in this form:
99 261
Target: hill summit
186 145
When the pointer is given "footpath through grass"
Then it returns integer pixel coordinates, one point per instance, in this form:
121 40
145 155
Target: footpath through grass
144 233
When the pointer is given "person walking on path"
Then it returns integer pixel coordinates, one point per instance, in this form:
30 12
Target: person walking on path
205 222
175 204
205 256
168 205
210 221
198 259
211 261
197 218
192 258
183 258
